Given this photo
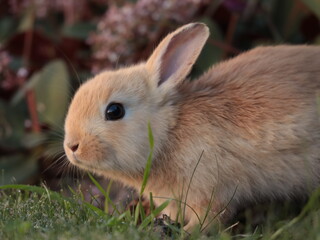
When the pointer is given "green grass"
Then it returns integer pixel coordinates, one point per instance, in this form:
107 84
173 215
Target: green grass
37 213
29 215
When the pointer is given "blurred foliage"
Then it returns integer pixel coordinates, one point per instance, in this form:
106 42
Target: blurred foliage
47 48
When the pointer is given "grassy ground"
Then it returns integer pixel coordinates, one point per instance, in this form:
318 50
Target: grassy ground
27 215
36 213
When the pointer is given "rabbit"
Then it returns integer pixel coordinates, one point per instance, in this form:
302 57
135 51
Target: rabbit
245 131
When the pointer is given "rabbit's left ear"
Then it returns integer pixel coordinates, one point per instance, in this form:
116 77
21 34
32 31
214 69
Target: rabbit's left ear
174 57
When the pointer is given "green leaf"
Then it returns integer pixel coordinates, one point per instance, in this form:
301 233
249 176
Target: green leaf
79 30
314 6
7 26
51 86
12 124
31 140
30 84
317 40
52 92
27 20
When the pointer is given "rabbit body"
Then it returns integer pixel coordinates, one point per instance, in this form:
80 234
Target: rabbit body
247 130
256 119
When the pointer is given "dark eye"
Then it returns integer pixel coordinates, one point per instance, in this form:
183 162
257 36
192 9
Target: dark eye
114 111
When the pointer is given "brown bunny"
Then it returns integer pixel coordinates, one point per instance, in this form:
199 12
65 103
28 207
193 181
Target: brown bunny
251 124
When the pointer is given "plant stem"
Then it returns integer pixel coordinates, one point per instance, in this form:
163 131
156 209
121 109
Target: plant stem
224 46
32 107
230 32
30 94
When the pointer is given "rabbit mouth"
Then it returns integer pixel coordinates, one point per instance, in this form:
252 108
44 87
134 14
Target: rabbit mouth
83 164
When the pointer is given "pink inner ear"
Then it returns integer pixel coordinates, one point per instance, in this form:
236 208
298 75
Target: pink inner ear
170 62
180 54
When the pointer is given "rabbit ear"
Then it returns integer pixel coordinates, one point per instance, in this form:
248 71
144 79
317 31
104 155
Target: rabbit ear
173 59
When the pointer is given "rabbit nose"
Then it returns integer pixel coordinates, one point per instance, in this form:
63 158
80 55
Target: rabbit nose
73 147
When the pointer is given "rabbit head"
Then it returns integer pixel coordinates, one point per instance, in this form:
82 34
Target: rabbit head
106 128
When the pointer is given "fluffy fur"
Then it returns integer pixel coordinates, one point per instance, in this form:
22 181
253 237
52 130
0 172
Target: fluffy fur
254 119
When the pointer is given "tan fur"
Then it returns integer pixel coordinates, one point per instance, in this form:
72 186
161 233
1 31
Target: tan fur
255 119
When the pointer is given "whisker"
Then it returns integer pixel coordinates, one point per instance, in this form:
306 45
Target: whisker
65 169
56 163
57 133
57 128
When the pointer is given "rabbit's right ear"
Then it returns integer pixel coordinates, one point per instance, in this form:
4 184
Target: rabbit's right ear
174 57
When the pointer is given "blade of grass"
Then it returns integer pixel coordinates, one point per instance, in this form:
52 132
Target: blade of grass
75 193
313 202
211 220
98 211
105 194
142 211
192 175
36 189
149 161
181 202
146 173
151 208
212 195
106 202
157 211
136 213
151 203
